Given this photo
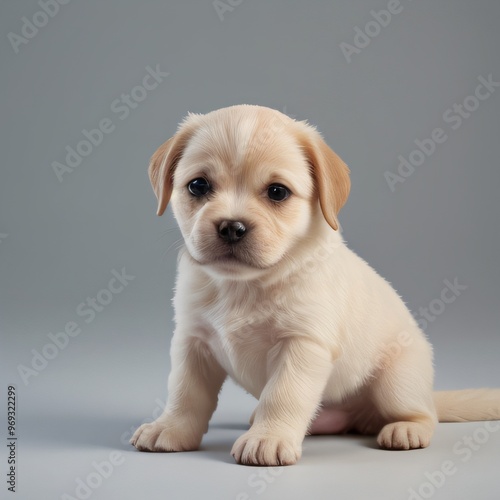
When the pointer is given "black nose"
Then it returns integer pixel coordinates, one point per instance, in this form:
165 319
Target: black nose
232 231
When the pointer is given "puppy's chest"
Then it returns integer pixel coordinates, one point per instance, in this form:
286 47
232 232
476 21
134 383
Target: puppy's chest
246 325
237 313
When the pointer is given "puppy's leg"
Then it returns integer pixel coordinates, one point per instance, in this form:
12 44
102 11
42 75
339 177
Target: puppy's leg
298 371
193 386
402 395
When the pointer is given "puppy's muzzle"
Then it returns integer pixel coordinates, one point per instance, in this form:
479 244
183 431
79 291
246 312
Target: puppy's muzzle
232 231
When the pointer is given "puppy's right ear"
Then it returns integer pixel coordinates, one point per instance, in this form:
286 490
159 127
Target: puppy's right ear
164 161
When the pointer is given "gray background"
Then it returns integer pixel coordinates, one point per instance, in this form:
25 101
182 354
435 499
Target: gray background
59 241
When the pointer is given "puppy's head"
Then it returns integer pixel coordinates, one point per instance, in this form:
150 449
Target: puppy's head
247 184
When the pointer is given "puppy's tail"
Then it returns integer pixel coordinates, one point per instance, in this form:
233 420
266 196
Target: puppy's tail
469 405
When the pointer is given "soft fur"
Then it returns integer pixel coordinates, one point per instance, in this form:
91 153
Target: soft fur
289 312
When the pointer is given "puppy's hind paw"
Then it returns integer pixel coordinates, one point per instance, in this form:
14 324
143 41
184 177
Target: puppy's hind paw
404 436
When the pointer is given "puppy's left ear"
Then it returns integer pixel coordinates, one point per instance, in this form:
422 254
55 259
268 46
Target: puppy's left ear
164 161
331 175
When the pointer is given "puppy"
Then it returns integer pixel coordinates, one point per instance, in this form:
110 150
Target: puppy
269 295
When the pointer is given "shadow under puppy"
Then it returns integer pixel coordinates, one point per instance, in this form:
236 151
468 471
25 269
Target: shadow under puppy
268 294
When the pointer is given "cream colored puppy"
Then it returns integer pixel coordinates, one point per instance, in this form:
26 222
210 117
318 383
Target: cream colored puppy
268 293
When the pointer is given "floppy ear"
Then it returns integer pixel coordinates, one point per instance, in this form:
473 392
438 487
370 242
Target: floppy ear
164 160
330 173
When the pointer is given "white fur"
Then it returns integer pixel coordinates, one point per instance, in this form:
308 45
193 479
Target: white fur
315 334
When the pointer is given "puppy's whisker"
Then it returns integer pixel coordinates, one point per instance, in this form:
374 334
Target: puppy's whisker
166 232
177 244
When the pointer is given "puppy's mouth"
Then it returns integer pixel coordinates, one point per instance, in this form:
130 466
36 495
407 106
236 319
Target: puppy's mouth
229 256
232 257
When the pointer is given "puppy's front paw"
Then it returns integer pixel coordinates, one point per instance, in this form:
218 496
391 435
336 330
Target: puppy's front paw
166 436
257 448
404 436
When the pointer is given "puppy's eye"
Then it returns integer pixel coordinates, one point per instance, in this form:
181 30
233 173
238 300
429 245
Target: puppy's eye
199 187
278 192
